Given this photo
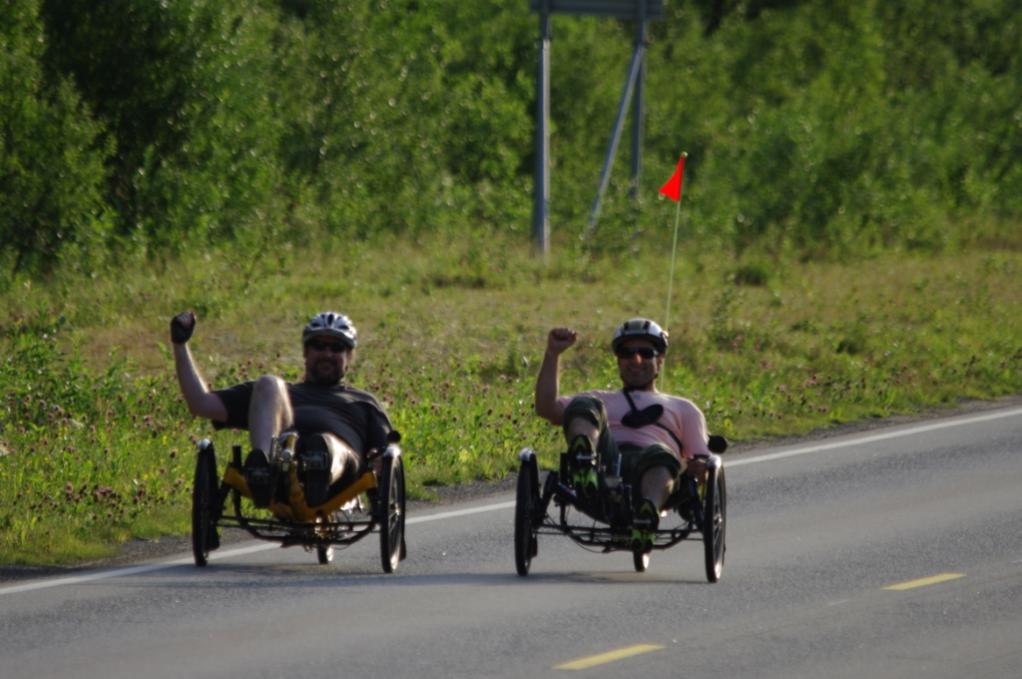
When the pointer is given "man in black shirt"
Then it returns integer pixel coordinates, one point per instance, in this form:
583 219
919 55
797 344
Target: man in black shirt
344 422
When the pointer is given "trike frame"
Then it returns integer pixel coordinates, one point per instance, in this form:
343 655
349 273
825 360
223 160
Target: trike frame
700 511
341 521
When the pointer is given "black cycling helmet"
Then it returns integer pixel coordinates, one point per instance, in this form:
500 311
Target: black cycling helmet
331 324
644 328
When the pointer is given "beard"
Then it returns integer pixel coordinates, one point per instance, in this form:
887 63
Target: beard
640 378
325 373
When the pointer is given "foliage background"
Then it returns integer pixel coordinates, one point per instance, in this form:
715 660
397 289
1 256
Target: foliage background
152 128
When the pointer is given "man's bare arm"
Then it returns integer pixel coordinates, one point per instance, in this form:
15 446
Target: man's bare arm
201 401
548 380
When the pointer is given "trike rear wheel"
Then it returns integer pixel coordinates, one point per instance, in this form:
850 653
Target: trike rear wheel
640 559
204 494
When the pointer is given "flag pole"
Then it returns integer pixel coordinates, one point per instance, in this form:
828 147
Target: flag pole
672 189
670 280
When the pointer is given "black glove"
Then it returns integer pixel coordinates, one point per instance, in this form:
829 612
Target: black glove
180 332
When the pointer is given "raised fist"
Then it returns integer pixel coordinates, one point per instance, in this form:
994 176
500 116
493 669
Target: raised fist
181 327
560 339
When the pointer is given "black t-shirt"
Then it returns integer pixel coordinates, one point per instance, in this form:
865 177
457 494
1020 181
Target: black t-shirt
351 414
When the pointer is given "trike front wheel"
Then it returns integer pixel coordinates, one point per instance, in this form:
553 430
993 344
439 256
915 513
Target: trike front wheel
714 524
392 513
526 502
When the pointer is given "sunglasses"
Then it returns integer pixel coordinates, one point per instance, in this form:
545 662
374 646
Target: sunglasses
334 347
628 352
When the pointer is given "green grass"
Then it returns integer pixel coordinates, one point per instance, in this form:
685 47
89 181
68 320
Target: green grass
97 446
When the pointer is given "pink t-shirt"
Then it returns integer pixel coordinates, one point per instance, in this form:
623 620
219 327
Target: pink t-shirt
681 415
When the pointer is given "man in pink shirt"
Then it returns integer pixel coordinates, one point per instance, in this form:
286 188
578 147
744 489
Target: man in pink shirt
658 436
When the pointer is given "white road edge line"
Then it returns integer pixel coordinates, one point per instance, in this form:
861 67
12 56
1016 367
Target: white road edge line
794 452
859 440
459 512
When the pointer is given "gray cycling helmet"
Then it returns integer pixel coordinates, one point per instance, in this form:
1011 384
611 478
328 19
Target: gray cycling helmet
331 324
644 328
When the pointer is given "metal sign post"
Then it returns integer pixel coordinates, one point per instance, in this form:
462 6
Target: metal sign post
639 10
541 203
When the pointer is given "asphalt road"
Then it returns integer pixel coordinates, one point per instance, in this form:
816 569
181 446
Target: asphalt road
895 552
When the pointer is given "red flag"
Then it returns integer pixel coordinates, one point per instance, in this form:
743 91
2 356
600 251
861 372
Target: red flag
672 189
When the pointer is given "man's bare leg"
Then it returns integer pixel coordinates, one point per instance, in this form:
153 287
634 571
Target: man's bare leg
269 412
656 485
342 457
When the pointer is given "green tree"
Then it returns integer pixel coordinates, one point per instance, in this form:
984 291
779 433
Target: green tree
185 89
51 160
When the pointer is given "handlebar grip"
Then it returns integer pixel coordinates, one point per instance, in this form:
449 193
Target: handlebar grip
717 444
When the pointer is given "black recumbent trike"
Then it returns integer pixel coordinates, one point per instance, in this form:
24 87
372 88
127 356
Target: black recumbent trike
306 509
603 519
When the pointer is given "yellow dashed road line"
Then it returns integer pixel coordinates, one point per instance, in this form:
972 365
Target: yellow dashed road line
608 657
638 649
924 582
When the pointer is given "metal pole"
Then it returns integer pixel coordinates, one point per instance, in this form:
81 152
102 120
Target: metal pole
541 206
638 104
608 162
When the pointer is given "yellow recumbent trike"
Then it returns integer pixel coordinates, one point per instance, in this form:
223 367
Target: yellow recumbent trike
342 514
